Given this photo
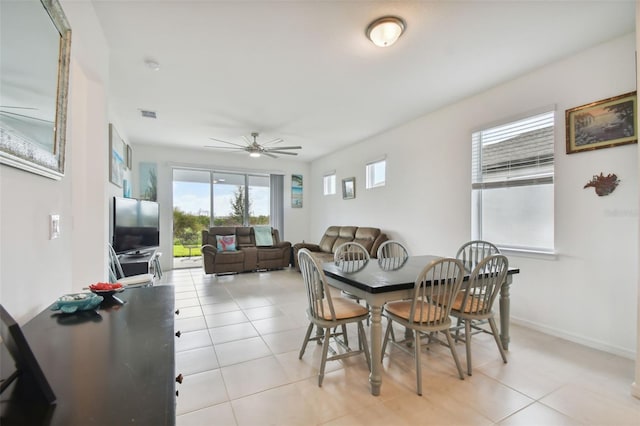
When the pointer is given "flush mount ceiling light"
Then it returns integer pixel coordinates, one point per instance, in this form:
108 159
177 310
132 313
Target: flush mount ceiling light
385 31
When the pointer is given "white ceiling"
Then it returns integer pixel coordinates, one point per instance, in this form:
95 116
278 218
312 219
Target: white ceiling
303 70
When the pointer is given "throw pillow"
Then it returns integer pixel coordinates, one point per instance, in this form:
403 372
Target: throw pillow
226 242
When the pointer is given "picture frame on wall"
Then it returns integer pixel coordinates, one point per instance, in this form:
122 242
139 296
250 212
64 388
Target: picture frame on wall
349 188
129 157
296 191
117 148
602 124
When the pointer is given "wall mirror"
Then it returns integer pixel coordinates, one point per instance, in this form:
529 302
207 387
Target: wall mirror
35 42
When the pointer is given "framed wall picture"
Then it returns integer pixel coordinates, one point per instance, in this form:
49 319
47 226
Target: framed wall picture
117 163
129 157
296 191
602 124
348 188
148 181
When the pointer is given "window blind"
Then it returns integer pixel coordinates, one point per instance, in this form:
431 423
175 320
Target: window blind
514 154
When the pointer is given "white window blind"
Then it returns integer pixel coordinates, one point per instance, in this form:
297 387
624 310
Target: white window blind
514 154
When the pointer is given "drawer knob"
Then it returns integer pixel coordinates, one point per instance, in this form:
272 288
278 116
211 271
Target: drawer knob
177 393
177 311
179 378
178 334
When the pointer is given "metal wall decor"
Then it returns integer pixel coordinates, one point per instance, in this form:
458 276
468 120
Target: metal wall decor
604 185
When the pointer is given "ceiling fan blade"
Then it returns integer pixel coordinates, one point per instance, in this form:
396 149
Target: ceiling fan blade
282 152
16 107
230 143
269 154
274 141
287 147
224 147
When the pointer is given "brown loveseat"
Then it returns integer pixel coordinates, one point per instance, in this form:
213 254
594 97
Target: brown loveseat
248 256
370 238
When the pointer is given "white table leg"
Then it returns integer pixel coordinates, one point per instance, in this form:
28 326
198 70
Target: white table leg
375 378
505 308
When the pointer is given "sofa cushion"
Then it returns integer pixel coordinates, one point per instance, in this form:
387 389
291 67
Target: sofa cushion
329 238
226 242
244 236
366 237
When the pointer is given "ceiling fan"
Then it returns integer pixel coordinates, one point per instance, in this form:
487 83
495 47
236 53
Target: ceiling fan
255 149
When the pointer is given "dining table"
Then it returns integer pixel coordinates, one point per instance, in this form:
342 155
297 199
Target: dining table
377 284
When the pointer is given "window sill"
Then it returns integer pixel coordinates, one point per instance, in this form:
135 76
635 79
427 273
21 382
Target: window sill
530 253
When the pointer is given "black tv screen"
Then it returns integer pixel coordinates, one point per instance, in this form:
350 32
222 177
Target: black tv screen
136 225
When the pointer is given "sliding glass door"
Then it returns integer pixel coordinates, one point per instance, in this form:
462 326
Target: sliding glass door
191 210
204 198
259 200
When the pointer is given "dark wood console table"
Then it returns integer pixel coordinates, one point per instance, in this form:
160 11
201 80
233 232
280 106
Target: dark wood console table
113 366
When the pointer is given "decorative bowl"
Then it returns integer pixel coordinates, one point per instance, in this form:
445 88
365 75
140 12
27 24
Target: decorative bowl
70 303
106 289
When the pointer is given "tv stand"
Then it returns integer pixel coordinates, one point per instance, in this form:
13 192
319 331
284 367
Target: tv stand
136 254
137 263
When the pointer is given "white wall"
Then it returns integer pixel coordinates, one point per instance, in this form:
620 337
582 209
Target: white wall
589 293
296 220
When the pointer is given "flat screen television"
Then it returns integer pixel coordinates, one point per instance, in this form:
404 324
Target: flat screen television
136 225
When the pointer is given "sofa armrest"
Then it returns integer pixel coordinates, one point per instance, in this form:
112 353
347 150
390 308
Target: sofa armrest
308 246
282 244
299 246
209 249
208 257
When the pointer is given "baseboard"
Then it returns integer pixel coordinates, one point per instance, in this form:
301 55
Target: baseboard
595 344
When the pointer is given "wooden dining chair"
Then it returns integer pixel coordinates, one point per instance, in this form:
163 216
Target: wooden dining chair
476 300
427 312
472 252
392 255
351 256
329 314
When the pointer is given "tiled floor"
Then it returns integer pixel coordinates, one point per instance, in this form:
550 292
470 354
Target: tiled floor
239 356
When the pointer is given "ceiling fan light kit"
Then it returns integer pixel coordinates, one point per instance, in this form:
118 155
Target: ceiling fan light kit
255 149
385 31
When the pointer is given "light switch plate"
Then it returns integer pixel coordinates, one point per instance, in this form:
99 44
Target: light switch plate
54 226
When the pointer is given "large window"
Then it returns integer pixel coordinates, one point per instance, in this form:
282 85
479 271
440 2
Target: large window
512 184
376 174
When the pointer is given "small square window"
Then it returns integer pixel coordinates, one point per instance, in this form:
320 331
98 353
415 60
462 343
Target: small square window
376 174
329 184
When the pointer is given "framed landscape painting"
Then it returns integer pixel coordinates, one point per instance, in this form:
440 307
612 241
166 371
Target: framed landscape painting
602 124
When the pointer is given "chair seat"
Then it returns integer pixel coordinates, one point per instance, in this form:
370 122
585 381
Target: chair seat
402 309
343 308
136 280
473 304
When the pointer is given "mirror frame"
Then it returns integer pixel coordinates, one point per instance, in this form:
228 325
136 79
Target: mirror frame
24 154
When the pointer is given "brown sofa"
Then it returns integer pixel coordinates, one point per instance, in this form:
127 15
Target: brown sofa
248 256
370 238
